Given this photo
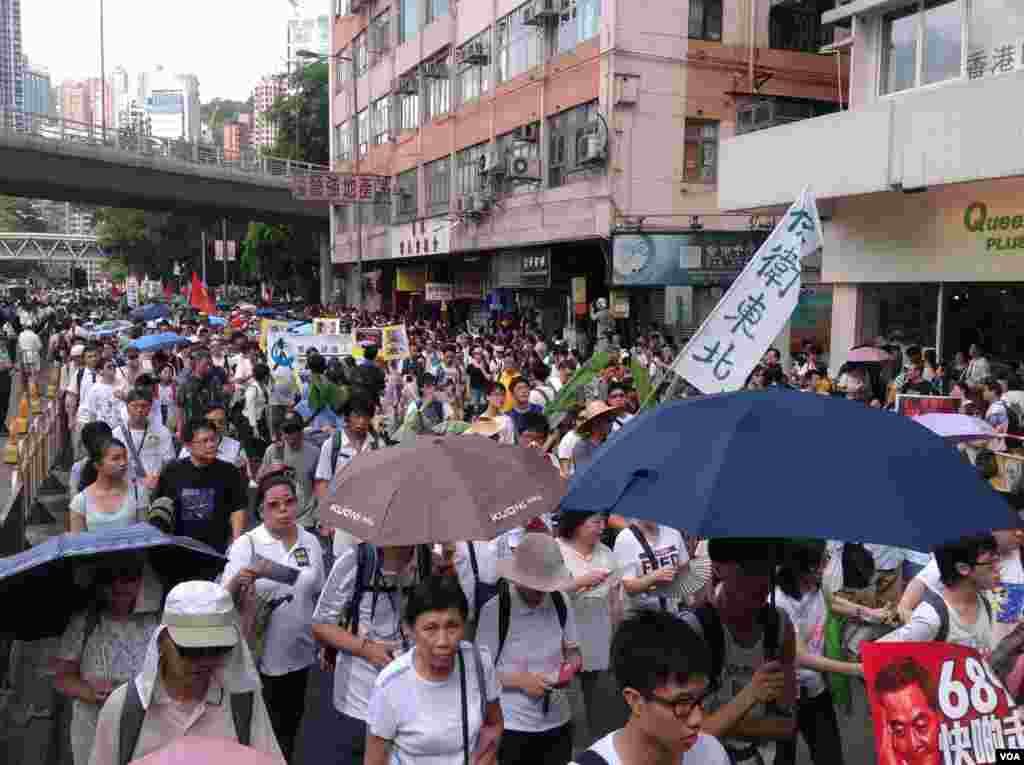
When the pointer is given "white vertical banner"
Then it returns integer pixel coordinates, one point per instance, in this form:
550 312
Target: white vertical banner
736 334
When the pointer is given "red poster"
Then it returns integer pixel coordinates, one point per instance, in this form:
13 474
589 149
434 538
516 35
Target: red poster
938 704
914 405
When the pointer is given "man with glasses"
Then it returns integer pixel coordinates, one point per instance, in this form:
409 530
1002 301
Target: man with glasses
662 668
617 398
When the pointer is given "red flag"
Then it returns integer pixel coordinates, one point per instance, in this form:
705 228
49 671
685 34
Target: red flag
168 291
200 297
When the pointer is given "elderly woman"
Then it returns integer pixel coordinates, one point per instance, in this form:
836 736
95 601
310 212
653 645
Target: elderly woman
197 679
113 500
446 710
104 645
289 647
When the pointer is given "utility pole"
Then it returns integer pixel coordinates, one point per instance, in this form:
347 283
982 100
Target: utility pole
204 254
224 233
103 76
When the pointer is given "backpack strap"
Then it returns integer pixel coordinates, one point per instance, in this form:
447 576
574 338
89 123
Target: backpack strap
560 608
590 757
132 716
478 663
705 621
335 451
662 601
366 566
241 713
504 615
933 599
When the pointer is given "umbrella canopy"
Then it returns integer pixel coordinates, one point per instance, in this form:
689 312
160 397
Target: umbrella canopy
956 427
780 463
267 312
439 489
151 312
868 354
217 321
44 574
151 343
200 750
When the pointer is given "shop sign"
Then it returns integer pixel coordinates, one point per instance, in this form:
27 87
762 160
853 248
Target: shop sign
535 268
339 189
410 279
435 292
430 236
619 304
1006 57
693 258
579 294
1001 232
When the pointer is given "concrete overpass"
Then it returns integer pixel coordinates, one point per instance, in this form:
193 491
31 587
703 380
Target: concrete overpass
52 249
52 158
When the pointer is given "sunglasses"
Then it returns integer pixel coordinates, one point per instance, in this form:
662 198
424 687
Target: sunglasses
203 652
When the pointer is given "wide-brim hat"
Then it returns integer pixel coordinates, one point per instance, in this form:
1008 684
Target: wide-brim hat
537 564
488 426
201 615
592 411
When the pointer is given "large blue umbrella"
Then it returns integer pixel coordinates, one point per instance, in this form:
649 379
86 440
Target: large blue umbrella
152 343
37 587
151 312
782 463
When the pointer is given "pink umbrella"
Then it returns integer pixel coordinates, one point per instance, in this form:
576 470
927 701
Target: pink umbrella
868 353
957 427
200 750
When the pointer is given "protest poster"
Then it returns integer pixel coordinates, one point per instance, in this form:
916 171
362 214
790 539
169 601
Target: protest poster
938 703
364 336
268 325
329 326
288 350
1009 477
912 405
731 341
394 342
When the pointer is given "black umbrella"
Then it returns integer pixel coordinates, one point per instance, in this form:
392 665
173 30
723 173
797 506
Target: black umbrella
38 590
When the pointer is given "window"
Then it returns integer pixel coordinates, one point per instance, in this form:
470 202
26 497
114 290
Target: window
438 176
382 212
580 21
408 20
796 28
382 120
565 132
342 218
359 54
922 44
438 90
380 36
405 199
343 141
436 9
513 145
475 78
342 68
700 159
706 20
409 111
467 169
342 7
363 119
517 46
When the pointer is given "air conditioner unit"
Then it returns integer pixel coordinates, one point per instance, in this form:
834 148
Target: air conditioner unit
527 134
592 148
472 54
404 86
379 41
435 70
491 164
542 12
523 169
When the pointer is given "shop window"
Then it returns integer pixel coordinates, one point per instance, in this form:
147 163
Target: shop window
408 20
437 88
474 70
517 47
405 198
436 9
343 141
360 57
409 111
580 20
467 169
382 120
363 118
513 145
701 151
706 20
922 45
438 177
565 133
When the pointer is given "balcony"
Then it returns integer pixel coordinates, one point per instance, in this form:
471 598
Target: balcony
755 113
954 133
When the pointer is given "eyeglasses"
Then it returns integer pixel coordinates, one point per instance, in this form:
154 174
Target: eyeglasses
203 652
682 706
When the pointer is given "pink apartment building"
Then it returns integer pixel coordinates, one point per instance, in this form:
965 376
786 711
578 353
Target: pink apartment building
544 154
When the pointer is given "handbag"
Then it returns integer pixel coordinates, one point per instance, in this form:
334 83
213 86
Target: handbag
254 613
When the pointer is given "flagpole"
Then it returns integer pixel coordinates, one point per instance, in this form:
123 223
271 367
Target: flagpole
204 255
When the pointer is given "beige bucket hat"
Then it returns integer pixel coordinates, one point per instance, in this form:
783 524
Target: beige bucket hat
537 564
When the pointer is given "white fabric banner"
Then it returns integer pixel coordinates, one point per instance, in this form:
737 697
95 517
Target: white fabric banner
288 350
736 334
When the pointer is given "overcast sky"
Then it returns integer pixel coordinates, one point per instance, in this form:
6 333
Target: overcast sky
228 44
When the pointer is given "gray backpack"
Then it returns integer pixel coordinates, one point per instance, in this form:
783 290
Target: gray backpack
933 599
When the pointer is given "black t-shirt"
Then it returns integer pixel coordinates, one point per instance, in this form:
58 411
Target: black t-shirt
477 378
204 499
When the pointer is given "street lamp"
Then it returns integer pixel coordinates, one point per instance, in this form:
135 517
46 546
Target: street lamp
309 55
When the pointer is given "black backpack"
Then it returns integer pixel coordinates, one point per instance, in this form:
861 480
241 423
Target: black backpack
858 566
933 599
505 613
482 592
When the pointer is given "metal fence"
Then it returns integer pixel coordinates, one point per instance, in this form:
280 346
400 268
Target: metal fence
62 131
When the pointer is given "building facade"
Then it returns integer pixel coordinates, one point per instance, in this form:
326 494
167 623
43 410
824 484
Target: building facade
266 92
123 96
313 34
171 103
82 101
37 90
919 179
236 140
12 94
544 154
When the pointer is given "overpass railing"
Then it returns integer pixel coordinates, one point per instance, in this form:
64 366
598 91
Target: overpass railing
64 131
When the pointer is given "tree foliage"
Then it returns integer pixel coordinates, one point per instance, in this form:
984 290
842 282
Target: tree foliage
302 116
221 110
149 242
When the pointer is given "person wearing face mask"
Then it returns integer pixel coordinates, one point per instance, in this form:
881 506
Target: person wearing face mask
112 500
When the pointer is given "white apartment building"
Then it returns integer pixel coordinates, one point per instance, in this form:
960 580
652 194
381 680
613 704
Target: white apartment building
171 101
919 177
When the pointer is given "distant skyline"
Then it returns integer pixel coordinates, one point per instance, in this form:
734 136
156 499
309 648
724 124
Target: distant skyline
227 44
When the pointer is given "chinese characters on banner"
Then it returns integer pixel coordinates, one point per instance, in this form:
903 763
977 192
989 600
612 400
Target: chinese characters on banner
1001 59
339 189
734 337
914 405
938 703
287 350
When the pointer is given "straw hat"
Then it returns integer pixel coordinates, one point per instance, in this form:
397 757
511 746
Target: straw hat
592 411
537 563
488 426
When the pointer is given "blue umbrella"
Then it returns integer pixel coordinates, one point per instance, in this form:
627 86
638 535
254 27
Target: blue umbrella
151 312
267 312
783 463
217 321
151 343
44 574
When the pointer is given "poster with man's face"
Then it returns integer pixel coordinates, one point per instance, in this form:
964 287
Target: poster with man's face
937 704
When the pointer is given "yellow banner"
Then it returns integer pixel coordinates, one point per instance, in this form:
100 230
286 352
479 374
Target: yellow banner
411 279
395 341
270 325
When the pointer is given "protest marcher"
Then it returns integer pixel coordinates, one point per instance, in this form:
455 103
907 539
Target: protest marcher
200 391
663 670
495 398
167 397
288 646
430 410
617 399
101 403
519 388
530 629
292 450
149 448
113 500
103 645
229 449
439 701
83 471
653 560
595 426
197 679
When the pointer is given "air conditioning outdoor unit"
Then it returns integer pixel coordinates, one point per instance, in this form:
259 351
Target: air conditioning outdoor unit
491 164
472 54
435 70
592 146
542 12
404 86
527 133
523 169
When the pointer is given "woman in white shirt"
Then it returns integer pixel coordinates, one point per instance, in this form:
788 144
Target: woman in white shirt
438 702
256 398
289 649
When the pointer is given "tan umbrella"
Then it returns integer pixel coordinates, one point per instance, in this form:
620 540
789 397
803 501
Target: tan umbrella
441 490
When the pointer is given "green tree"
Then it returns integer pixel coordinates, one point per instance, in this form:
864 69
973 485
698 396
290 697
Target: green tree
284 256
302 116
149 242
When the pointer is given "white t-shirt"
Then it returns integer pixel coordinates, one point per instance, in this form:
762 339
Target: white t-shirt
289 644
669 550
886 557
808 616
593 607
706 751
155 447
100 404
925 622
567 444
533 644
423 718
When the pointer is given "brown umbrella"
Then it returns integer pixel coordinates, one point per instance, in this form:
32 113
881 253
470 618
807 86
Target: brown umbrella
441 490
